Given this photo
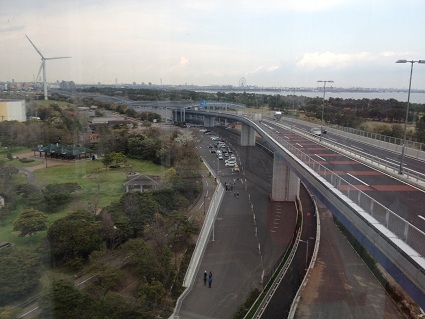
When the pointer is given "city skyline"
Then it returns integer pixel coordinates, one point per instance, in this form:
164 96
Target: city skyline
355 43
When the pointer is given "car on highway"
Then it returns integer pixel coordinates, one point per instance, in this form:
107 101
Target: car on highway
230 160
316 131
230 164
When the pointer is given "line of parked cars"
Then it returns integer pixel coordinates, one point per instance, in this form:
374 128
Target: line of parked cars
223 152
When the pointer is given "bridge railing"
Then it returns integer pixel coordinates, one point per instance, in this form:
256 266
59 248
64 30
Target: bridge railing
383 138
400 227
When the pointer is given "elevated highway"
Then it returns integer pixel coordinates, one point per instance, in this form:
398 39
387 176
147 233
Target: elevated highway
388 233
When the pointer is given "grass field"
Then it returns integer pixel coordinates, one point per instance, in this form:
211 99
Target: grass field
100 187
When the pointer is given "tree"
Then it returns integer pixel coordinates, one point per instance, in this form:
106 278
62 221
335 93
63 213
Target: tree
118 157
30 221
139 208
420 130
19 273
7 186
62 300
107 160
75 236
59 194
143 260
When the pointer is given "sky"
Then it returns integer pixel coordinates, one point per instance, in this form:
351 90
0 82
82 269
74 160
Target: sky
269 43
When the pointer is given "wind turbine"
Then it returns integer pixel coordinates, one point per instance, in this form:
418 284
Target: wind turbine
43 66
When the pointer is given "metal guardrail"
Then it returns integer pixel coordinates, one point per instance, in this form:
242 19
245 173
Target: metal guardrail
381 163
381 137
400 227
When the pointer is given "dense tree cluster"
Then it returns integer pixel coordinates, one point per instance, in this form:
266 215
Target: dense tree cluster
148 228
20 272
344 112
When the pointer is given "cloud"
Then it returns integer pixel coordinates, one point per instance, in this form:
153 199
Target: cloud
315 60
265 6
181 65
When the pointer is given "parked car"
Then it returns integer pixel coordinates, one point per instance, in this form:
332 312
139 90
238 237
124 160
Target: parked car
236 168
230 161
230 164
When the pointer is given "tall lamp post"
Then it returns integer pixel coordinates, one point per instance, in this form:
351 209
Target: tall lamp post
293 106
323 105
400 171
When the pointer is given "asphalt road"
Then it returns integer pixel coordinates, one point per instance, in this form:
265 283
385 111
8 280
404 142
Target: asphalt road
393 193
392 158
340 285
242 250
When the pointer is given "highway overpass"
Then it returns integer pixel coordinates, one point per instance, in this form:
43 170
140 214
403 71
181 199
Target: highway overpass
392 240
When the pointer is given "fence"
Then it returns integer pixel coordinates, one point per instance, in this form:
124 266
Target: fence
408 233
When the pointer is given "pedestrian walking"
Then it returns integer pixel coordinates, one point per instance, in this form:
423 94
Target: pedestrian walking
209 279
205 277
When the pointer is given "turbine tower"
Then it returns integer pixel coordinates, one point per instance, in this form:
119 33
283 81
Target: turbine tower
43 66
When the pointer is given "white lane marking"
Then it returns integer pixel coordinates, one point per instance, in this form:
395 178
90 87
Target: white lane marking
299 144
421 217
394 161
320 157
358 179
28 312
357 148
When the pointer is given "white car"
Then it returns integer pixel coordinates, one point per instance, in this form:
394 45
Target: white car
231 158
230 164
230 161
316 131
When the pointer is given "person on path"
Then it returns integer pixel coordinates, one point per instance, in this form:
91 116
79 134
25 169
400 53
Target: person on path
205 277
209 280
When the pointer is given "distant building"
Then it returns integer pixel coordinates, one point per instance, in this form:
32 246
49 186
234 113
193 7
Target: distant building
13 110
68 86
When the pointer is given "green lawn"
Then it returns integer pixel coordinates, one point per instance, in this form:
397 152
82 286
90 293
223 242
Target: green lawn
100 187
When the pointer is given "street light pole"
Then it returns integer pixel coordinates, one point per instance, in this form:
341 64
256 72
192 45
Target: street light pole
293 107
400 171
323 104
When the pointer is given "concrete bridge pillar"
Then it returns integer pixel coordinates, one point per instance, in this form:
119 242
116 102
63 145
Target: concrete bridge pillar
209 121
285 183
247 136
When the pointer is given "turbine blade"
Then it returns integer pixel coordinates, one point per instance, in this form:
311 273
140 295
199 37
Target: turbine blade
35 47
39 71
59 57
